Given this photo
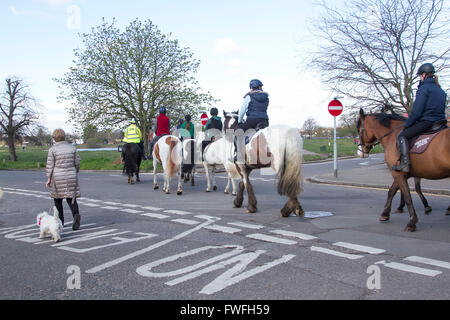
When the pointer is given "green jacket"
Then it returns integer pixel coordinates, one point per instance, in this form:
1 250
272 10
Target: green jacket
191 130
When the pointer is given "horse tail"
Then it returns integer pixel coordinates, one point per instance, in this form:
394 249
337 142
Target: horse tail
290 181
172 166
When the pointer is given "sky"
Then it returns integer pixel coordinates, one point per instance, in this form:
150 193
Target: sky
235 41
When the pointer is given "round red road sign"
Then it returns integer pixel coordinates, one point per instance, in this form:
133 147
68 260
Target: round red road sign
335 107
204 118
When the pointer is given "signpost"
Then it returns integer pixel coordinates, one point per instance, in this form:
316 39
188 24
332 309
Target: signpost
335 108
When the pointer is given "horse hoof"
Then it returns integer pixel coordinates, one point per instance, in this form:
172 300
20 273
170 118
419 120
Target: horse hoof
447 213
215 188
179 193
299 212
284 214
138 180
207 190
410 229
226 192
167 192
250 210
233 194
155 187
399 211
384 218
428 210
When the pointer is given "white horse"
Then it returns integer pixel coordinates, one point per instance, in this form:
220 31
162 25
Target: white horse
167 151
278 147
218 152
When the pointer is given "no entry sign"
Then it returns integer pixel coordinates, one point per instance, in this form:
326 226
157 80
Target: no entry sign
204 118
335 107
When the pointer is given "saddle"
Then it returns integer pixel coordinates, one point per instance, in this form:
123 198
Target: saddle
259 126
420 143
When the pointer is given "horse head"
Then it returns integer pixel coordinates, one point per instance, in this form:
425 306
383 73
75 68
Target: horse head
230 119
367 137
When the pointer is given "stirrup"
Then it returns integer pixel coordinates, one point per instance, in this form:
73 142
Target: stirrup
401 167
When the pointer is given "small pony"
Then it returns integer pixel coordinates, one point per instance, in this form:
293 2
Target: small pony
168 152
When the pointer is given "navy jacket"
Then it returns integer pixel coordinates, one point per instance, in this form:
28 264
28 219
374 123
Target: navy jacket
257 108
429 104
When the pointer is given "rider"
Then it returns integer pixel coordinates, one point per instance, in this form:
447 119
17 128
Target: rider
188 127
255 107
213 128
132 134
428 108
162 128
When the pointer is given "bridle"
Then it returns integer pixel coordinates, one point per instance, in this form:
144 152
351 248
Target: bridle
370 145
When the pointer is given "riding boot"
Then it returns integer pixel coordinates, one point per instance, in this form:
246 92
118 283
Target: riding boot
238 156
403 147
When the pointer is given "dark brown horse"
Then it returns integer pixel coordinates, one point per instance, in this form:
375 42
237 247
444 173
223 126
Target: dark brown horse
432 164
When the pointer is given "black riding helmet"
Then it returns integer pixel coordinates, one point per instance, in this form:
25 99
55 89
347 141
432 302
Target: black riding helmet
255 84
214 111
428 68
187 117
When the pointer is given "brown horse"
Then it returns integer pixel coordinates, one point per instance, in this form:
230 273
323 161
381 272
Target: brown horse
434 163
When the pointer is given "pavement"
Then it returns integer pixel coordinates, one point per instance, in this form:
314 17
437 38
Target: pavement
378 176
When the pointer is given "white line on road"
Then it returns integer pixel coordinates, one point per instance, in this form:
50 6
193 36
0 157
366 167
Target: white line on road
152 208
433 262
299 235
110 208
246 225
179 212
264 237
223 229
186 221
130 205
336 253
89 204
131 211
155 215
408 268
358 247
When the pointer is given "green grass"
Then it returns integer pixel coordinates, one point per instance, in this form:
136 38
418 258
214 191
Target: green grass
345 147
36 157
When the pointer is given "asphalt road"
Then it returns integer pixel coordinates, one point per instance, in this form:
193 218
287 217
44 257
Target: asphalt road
137 243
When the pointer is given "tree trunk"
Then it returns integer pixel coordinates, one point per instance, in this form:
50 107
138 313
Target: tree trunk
12 149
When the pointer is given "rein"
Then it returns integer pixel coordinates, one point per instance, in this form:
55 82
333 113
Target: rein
377 141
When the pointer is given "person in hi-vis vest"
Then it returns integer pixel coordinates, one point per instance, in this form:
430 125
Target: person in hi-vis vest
132 134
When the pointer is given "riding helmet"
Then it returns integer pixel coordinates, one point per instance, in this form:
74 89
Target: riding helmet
428 68
255 84
162 110
187 117
214 111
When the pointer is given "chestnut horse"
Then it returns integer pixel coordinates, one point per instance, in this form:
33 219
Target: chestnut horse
433 163
277 147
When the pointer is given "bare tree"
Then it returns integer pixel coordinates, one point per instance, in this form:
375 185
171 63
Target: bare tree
369 50
309 126
17 112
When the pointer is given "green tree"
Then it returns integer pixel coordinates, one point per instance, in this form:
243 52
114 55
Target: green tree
120 75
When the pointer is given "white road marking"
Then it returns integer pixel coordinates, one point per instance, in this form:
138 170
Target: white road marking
131 211
186 221
155 215
179 212
246 225
89 204
152 208
409 268
336 253
223 229
110 208
358 247
109 203
299 235
130 205
264 237
433 262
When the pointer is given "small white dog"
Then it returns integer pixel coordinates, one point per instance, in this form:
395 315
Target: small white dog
50 224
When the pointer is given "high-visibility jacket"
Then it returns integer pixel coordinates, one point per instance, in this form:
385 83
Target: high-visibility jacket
132 134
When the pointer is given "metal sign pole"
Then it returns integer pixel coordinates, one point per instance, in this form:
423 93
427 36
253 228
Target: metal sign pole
335 150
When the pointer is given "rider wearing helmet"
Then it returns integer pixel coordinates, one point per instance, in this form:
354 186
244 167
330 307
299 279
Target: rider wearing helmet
428 108
255 107
162 128
188 128
132 134
213 128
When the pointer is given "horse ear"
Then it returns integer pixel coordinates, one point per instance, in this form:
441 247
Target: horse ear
224 113
361 113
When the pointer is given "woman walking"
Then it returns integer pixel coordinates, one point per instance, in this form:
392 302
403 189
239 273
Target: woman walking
63 164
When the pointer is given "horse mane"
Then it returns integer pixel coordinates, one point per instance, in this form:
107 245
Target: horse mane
383 118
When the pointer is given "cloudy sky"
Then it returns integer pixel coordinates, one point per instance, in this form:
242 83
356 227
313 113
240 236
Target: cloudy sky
235 41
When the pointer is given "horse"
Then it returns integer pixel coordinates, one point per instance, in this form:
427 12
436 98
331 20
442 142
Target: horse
167 151
132 161
188 166
216 153
433 163
279 147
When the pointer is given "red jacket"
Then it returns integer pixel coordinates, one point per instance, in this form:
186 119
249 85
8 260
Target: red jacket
162 125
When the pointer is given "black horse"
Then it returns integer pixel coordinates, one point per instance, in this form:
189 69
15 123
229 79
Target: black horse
132 161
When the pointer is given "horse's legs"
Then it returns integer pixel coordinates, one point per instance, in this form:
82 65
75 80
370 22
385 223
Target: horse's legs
208 184
227 188
292 205
166 188
240 195
448 211
155 184
137 172
385 215
422 197
403 184
192 176
251 206
401 205
179 190
213 172
233 182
